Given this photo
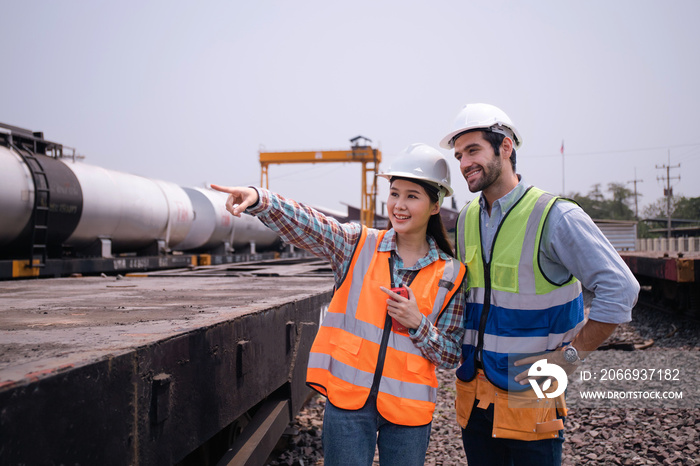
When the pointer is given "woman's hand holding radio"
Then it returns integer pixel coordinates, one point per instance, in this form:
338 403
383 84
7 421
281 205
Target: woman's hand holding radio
402 307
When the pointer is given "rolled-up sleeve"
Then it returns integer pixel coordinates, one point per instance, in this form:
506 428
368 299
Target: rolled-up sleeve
573 243
308 229
441 343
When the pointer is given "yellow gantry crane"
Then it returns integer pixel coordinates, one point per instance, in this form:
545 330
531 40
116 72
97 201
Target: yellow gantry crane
360 151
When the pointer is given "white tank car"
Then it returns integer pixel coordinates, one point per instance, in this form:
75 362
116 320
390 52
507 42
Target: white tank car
249 232
214 227
130 210
100 211
16 195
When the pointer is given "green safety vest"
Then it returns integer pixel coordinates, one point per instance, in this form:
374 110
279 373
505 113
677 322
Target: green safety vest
513 310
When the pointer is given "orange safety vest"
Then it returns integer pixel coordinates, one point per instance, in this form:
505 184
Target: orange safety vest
345 353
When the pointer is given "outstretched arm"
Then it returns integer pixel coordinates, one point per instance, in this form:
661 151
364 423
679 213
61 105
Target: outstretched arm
297 224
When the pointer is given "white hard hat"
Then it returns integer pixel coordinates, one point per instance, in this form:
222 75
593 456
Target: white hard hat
422 162
478 116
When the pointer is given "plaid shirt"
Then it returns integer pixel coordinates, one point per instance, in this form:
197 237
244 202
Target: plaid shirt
329 239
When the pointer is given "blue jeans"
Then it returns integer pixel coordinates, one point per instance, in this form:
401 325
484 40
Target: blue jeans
350 438
482 449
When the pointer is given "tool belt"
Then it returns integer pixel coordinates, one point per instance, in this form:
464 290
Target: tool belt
516 415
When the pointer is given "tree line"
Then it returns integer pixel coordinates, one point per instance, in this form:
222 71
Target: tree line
620 205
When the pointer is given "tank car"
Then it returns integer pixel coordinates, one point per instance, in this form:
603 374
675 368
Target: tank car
214 228
57 207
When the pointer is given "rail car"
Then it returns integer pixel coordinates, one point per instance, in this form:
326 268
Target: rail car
672 279
183 367
61 216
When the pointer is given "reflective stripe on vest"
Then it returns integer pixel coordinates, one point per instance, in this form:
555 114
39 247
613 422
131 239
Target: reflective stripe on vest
344 355
525 313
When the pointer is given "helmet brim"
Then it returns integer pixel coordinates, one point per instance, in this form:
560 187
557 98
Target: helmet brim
447 189
448 143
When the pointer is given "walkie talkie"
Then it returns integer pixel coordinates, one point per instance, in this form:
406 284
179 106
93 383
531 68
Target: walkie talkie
401 291
395 324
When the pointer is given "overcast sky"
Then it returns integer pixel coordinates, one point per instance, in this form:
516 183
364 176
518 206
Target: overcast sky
189 92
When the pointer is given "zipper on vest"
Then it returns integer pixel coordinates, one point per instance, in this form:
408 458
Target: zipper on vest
478 354
385 334
385 337
382 357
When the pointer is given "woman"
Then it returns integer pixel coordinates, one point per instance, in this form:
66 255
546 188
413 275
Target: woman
375 354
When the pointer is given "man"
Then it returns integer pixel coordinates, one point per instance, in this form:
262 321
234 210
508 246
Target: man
528 253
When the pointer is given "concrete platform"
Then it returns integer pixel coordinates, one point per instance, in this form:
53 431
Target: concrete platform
142 370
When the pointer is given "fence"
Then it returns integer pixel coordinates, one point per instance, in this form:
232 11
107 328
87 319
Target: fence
684 245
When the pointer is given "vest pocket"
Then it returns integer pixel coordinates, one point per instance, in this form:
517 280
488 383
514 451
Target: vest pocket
420 367
505 277
525 417
464 402
469 253
347 342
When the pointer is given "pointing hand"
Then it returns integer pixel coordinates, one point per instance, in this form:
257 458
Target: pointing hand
239 198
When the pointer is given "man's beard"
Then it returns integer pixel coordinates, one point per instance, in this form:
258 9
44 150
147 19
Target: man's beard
489 174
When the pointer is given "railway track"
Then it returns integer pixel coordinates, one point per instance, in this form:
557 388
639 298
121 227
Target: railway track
666 308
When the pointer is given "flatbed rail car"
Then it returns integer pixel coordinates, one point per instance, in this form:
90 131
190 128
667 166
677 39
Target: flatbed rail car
203 366
672 278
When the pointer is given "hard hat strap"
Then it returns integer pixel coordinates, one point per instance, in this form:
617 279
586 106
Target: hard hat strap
504 130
